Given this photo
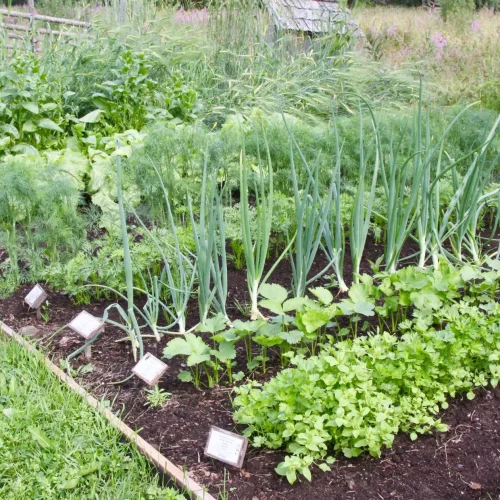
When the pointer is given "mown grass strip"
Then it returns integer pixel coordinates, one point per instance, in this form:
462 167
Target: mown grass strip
53 445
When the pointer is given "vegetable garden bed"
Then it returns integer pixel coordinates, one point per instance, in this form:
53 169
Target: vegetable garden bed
460 463
309 239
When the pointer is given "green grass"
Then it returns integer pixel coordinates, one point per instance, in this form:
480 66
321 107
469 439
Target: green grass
53 445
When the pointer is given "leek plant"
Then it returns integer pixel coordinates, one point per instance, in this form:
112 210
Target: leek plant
361 215
311 213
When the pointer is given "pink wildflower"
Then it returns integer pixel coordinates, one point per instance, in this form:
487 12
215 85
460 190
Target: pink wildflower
392 31
475 26
439 42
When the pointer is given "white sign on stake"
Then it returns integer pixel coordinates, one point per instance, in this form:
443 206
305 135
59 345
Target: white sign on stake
36 297
86 325
150 369
226 446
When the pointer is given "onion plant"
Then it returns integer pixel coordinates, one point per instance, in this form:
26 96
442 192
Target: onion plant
427 168
311 213
219 261
458 223
208 234
154 289
180 278
133 329
402 200
334 231
256 249
361 214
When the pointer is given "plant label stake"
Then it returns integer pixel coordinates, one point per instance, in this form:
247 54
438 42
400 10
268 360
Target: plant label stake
88 327
226 446
150 369
35 299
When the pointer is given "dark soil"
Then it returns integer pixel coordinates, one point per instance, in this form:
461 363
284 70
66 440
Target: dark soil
463 463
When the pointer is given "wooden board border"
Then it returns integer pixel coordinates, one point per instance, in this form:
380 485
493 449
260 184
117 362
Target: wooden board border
181 478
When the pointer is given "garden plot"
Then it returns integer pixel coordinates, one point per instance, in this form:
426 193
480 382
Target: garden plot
312 263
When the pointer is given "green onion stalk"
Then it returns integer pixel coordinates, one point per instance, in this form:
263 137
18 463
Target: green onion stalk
134 331
180 279
361 215
334 232
256 251
311 213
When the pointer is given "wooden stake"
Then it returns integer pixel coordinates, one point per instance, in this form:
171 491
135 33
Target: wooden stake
88 353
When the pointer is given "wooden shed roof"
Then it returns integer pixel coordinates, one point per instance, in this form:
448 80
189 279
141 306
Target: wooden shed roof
314 16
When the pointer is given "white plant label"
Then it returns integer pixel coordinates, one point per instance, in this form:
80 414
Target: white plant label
150 369
36 297
226 446
86 325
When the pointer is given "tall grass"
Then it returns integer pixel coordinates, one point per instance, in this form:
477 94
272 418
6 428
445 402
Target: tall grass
232 56
460 57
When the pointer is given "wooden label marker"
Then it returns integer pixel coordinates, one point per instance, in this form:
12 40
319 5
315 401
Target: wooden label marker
36 298
226 446
88 327
150 369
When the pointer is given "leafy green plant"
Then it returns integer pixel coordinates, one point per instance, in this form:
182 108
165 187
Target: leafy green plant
199 357
157 397
357 394
45 311
133 98
31 108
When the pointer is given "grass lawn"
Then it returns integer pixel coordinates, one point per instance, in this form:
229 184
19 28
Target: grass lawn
53 445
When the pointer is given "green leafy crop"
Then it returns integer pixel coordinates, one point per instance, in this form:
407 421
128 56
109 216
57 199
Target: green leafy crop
357 394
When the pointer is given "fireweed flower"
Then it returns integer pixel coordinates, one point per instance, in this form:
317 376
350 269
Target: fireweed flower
475 26
191 16
439 42
392 31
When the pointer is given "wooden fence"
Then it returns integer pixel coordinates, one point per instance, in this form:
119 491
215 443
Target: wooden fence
32 33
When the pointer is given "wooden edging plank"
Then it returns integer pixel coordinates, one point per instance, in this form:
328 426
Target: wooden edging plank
180 477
